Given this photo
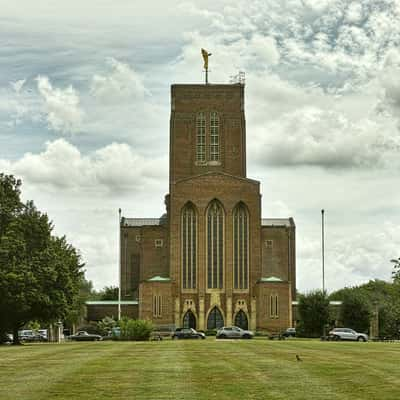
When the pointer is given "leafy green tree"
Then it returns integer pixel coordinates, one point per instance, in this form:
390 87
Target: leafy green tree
355 311
314 313
396 270
78 308
39 273
109 293
10 203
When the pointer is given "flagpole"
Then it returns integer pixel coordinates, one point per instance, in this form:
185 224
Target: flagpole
119 264
323 249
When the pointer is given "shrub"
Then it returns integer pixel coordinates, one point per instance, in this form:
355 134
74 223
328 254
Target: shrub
135 329
106 325
211 332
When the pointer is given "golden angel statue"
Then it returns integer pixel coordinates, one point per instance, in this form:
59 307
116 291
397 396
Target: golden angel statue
205 55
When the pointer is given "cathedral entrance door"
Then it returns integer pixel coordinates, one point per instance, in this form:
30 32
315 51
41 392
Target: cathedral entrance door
241 320
189 320
215 319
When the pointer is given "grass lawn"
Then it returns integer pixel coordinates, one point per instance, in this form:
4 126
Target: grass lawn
204 369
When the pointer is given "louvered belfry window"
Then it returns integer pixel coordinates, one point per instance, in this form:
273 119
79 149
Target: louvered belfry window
214 136
201 137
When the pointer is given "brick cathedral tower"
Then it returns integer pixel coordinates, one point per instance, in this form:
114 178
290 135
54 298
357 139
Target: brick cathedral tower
211 260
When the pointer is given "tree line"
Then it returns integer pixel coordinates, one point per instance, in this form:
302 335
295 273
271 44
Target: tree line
359 304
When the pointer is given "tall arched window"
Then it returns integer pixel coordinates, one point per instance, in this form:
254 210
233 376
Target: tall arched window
201 137
240 247
189 320
215 319
241 320
214 136
189 247
215 246
274 306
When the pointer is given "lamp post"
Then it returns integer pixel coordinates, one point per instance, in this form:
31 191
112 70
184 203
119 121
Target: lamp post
119 264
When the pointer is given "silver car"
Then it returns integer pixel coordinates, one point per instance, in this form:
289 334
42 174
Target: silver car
233 332
347 334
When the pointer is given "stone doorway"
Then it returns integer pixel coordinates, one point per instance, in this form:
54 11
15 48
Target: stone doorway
189 320
215 319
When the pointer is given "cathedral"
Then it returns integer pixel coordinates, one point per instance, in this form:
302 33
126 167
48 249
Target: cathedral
211 260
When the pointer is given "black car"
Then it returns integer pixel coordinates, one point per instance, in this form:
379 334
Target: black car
83 336
187 333
290 332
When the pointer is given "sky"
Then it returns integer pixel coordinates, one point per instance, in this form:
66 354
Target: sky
84 117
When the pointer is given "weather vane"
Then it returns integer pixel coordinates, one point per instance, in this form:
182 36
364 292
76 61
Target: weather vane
205 55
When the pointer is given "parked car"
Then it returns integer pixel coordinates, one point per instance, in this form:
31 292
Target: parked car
290 332
43 333
28 335
233 332
187 333
83 336
347 334
6 338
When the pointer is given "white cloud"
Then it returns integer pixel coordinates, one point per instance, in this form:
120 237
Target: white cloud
264 49
354 12
313 136
115 167
121 84
61 106
350 258
17 85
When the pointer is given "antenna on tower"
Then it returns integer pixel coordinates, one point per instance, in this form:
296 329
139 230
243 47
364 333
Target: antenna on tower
239 78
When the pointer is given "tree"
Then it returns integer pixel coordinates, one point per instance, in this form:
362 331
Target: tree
39 273
355 311
78 307
109 293
396 270
314 313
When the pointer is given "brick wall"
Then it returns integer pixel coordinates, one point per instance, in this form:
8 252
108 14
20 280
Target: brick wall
278 253
186 102
149 294
272 321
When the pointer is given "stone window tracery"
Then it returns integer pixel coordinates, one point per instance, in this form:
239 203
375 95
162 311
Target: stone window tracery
189 247
240 247
201 137
214 136
215 246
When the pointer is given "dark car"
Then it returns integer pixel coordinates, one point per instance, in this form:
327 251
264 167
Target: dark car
83 336
290 332
187 333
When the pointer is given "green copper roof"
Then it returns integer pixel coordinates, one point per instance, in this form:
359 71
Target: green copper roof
271 279
158 279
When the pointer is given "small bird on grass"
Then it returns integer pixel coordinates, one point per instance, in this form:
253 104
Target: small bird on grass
298 358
